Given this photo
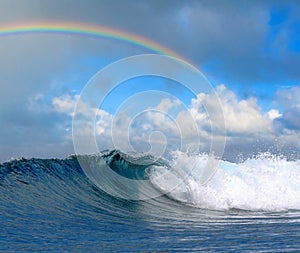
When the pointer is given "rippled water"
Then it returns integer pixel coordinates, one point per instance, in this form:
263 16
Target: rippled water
50 205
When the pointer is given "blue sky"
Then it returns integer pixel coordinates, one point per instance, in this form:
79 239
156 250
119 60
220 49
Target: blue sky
249 51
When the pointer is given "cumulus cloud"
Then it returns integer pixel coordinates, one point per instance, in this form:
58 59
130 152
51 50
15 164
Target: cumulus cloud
64 104
248 127
241 116
172 125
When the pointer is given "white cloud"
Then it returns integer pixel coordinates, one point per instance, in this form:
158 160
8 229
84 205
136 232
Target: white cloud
273 114
166 104
242 117
246 123
64 104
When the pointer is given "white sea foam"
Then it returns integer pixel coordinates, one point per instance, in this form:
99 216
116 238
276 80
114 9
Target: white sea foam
267 183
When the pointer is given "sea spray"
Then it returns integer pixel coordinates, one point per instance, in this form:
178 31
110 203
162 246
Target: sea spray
263 183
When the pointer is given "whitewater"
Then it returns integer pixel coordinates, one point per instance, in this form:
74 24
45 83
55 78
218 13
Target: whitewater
52 205
266 182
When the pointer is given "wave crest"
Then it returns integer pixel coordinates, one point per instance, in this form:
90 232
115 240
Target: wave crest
264 183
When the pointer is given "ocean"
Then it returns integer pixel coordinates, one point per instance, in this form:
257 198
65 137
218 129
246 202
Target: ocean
52 205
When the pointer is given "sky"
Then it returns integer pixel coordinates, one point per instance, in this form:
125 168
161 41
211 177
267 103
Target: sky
249 51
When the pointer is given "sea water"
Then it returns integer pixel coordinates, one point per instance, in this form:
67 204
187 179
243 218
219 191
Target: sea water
51 205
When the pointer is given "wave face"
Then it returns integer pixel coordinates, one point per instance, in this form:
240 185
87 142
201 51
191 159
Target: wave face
264 183
51 205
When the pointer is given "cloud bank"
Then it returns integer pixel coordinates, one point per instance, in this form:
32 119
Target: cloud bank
249 129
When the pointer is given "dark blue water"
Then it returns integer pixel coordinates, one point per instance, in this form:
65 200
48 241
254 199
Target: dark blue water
50 205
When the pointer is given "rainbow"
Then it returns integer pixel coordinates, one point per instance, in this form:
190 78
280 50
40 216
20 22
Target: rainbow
85 29
91 30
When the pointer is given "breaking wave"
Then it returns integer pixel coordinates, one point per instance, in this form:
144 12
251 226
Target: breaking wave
264 183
